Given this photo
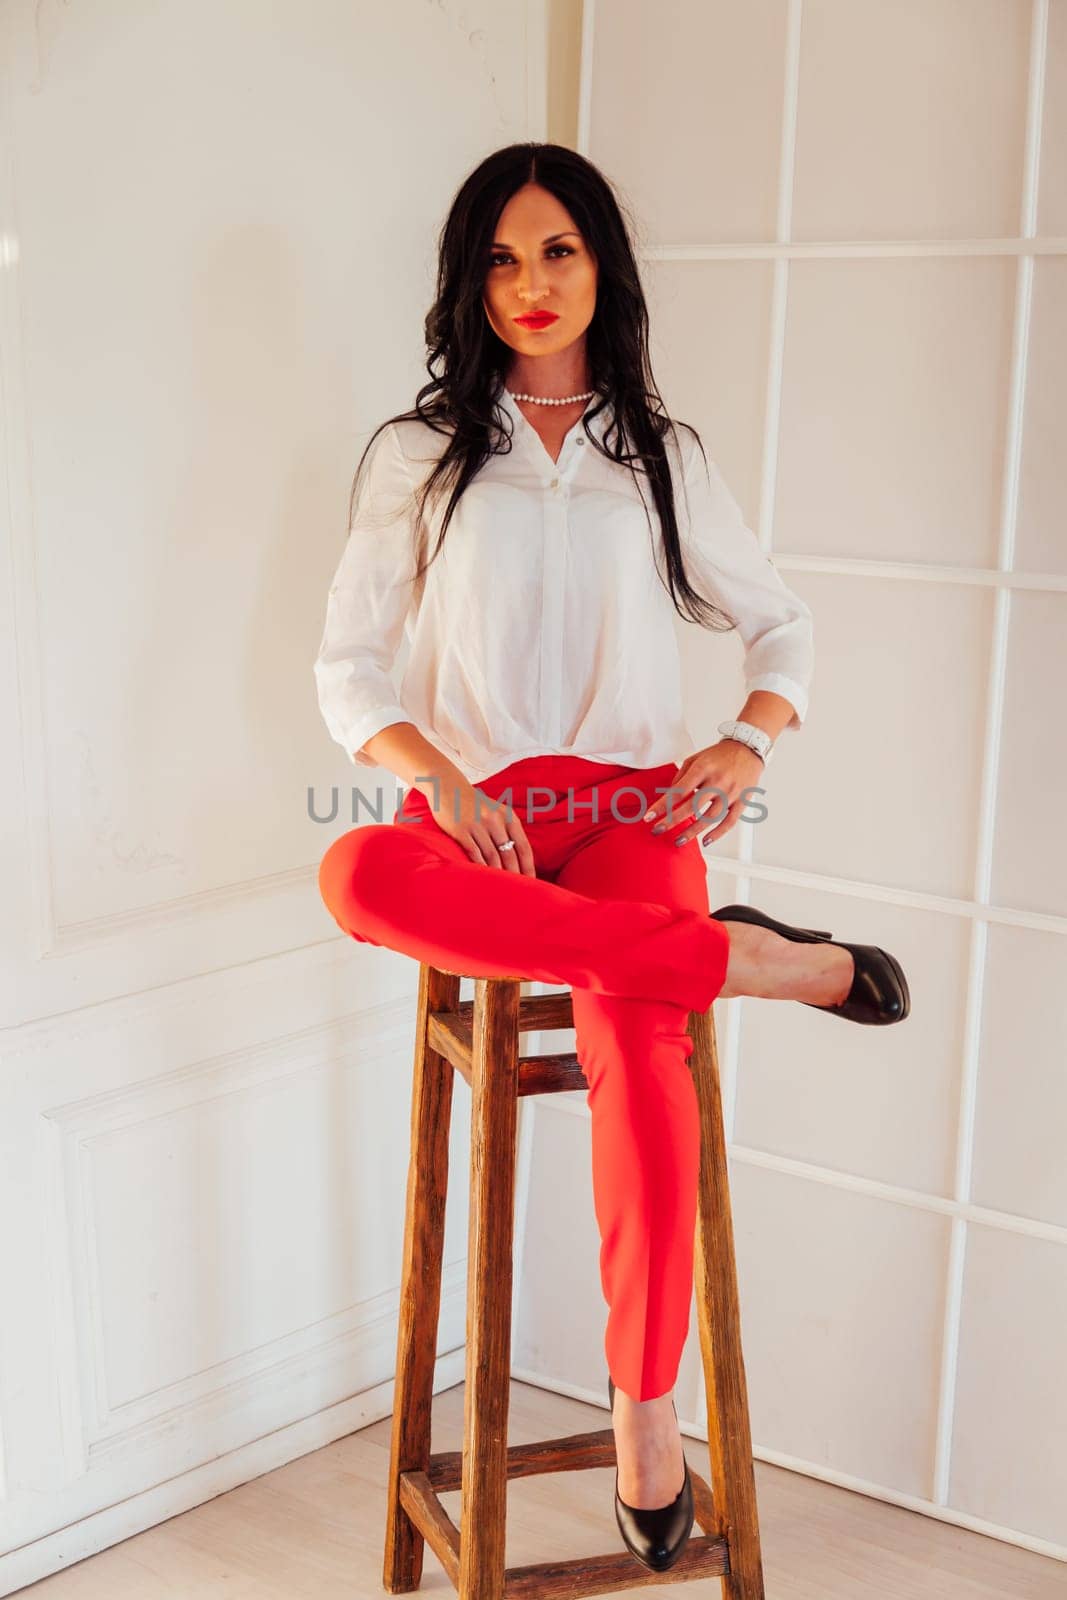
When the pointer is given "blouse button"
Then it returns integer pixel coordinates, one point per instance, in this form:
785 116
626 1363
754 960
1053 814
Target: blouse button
555 483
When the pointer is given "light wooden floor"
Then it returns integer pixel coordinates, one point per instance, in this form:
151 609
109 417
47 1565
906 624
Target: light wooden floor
314 1528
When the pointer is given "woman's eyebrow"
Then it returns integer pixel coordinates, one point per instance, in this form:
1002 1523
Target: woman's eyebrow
550 240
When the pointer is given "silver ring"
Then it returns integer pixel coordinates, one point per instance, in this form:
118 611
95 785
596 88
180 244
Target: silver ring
509 844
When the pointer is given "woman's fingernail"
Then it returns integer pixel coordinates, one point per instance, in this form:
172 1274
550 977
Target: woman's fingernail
649 816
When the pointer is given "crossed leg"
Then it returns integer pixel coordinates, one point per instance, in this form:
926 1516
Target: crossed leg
411 887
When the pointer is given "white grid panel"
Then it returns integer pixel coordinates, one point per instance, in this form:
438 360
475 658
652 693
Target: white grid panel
977 912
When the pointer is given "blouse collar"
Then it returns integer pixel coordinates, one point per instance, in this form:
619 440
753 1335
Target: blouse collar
597 425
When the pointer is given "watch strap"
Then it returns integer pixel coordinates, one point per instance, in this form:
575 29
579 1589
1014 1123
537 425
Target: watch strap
747 733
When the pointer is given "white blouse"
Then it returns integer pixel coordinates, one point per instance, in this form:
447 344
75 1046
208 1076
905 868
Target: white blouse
542 627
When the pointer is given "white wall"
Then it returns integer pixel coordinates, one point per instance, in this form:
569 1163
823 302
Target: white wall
217 235
852 216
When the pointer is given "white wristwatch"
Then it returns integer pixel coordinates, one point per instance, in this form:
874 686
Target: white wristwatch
757 739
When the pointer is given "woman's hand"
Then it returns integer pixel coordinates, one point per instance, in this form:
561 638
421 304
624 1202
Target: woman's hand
726 772
481 825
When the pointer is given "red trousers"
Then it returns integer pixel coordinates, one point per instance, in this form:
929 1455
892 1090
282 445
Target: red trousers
620 916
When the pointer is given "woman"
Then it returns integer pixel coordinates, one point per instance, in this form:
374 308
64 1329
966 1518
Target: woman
544 663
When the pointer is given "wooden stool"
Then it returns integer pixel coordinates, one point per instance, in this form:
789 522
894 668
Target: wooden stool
481 1039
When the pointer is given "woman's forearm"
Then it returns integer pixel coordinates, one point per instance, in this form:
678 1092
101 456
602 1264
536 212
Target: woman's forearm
416 762
767 710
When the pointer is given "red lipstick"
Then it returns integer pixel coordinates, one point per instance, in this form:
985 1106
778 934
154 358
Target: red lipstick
536 319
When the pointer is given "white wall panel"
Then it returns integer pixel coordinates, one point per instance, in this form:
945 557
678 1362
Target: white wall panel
880 784
1041 528
846 1363
721 311
851 1100
1052 171
676 115
1029 869
1011 1398
894 392
1021 1116
911 118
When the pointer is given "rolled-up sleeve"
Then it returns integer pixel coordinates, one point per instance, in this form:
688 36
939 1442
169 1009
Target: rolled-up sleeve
368 602
726 564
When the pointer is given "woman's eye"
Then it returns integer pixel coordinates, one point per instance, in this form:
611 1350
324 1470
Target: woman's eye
501 257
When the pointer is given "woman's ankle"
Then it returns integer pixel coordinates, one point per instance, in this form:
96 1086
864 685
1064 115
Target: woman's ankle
649 1453
767 966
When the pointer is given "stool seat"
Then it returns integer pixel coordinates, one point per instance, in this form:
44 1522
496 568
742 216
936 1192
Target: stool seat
479 1038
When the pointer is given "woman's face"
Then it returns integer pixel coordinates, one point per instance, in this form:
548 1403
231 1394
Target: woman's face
539 263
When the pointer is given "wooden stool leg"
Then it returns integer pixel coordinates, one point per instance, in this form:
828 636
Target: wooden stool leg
715 1278
494 1111
420 1282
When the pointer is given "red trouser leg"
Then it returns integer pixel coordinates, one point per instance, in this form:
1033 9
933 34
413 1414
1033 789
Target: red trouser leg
625 926
645 1123
411 887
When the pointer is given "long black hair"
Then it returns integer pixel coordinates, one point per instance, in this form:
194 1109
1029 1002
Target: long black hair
467 360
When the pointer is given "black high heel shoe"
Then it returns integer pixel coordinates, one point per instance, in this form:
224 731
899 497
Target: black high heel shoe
656 1535
879 993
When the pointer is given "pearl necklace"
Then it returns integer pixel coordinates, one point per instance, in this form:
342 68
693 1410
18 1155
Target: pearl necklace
543 400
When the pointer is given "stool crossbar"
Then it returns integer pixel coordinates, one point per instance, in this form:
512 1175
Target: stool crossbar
480 1039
